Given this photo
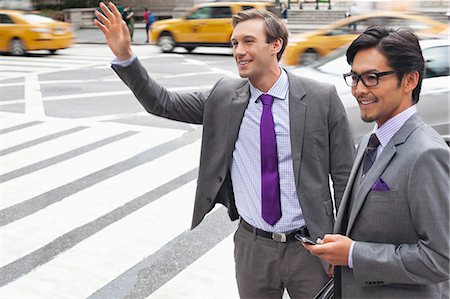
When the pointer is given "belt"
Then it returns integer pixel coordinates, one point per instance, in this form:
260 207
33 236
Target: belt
279 237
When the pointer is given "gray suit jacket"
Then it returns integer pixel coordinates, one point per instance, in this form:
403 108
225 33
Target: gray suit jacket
320 137
402 235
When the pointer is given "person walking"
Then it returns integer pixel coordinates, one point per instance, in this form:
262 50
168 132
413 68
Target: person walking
128 16
271 141
149 19
391 238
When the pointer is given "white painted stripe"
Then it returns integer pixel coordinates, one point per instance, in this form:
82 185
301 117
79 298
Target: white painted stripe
65 172
33 98
8 120
211 276
25 69
54 147
23 135
61 59
53 82
103 94
30 233
34 63
93 263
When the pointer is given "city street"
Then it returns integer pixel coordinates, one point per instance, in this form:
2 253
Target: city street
97 195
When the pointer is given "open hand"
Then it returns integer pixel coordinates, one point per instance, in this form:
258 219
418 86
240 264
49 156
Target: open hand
115 30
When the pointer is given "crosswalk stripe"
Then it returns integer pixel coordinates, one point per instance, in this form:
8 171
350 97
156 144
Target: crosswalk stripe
117 238
34 132
18 126
39 140
53 147
196 281
49 178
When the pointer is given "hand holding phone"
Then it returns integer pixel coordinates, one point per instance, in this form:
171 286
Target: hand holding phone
304 239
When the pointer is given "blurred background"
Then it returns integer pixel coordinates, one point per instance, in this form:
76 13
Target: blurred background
96 195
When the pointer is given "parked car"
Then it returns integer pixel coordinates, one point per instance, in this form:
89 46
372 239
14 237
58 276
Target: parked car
207 24
308 47
23 31
434 103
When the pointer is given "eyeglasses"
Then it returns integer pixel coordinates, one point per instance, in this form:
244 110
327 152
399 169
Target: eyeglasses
369 79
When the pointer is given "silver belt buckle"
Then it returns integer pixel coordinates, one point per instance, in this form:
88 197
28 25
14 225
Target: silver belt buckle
279 237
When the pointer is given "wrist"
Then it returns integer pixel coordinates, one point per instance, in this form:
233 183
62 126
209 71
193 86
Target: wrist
125 56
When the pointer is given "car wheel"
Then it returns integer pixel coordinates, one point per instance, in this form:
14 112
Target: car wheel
309 56
166 43
16 47
190 48
53 51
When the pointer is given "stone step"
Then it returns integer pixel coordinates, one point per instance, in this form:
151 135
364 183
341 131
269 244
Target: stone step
322 17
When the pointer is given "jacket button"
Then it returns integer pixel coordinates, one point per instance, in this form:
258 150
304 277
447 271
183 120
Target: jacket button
220 179
209 199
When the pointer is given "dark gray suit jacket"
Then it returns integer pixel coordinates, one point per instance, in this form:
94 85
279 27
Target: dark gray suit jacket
320 137
402 235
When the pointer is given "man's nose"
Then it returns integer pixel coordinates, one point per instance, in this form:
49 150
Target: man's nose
239 49
360 88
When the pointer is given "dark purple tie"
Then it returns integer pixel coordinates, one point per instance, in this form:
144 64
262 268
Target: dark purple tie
371 153
270 180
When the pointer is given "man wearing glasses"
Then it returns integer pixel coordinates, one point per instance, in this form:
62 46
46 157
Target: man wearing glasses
391 238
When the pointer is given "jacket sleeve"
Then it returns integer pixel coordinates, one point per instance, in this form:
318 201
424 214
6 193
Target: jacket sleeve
157 100
424 262
342 148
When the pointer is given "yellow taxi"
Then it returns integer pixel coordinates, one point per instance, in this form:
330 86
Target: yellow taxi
207 24
23 31
308 47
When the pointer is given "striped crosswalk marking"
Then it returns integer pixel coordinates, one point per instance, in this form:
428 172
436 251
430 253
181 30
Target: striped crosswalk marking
84 204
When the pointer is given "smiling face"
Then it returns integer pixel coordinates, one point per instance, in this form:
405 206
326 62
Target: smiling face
255 58
387 99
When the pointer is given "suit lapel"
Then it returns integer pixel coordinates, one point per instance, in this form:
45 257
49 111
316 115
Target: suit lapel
342 211
237 109
297 121
366 184
381 163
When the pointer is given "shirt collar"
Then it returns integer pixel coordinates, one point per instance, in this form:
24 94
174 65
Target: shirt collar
279 90
392 125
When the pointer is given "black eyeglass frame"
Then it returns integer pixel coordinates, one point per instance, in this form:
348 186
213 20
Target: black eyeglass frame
359 77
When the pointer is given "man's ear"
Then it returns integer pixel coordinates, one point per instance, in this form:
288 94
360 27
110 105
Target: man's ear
277 45
410 81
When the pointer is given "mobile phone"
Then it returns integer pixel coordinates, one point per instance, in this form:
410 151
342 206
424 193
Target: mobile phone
305 239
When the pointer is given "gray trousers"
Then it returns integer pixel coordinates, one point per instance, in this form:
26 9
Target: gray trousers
265 268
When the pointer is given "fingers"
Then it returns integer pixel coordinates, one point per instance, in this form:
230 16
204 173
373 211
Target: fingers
102 18
108 14
115 11
100 26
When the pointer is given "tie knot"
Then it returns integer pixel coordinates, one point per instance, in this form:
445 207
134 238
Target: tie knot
266 99
373 141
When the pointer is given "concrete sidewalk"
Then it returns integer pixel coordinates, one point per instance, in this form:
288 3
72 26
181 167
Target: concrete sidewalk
93 35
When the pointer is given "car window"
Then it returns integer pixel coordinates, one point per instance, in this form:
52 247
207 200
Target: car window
37 18
5 19
436 61
201 13
220 12
214 12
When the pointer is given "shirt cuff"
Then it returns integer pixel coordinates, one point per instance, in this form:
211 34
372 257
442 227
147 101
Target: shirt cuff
350 256
123 63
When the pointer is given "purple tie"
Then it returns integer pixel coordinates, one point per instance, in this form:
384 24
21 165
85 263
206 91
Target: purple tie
270 181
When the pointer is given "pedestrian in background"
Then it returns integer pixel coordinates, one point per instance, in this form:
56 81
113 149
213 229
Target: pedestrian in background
284 13
271 142
128 17
149 19
392 230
